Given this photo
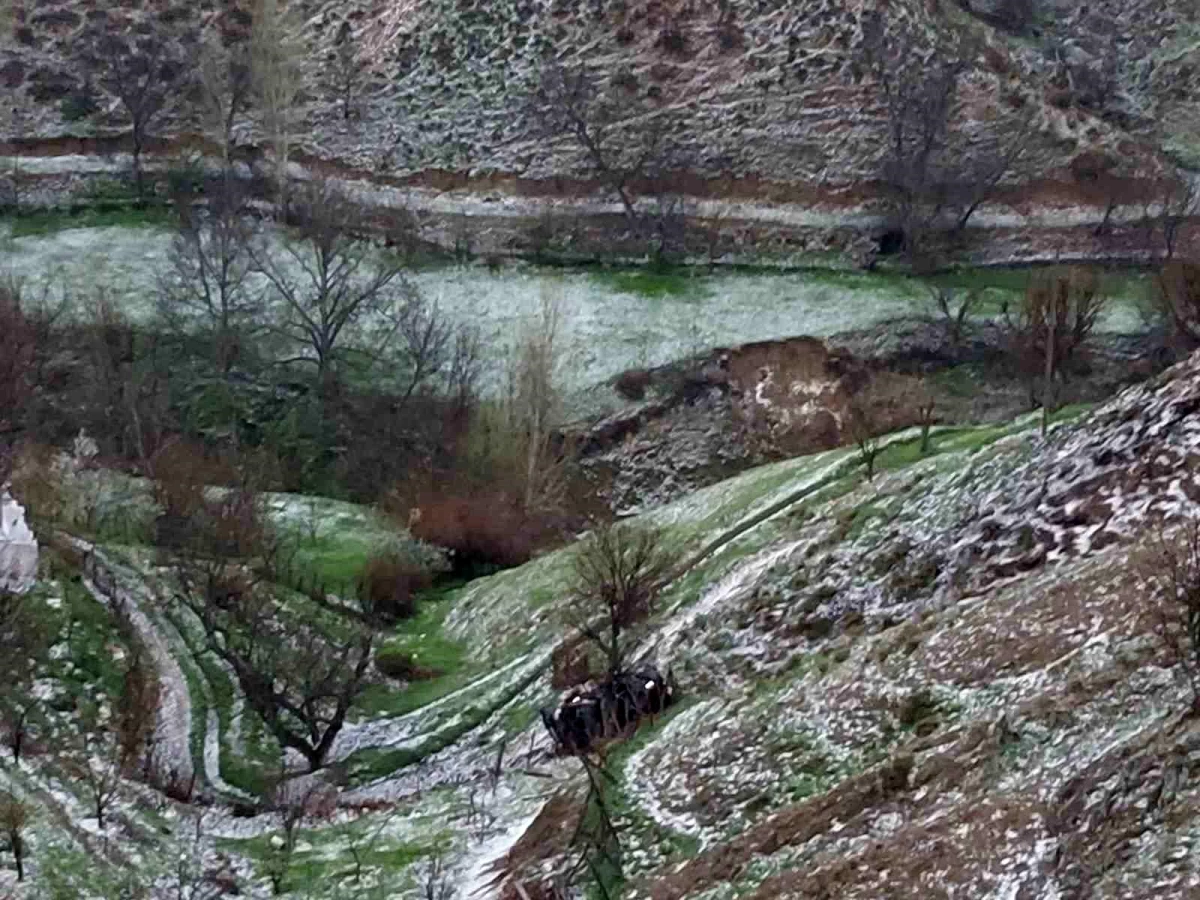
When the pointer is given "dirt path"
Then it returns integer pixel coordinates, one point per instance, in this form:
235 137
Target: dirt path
173 728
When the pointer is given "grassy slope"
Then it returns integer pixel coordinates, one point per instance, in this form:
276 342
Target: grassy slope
494 621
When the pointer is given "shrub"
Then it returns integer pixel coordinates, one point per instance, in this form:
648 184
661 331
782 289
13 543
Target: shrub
182 471
1047 336
484 530
1172 571
1175 300
632 383
388 585
38 482
393 662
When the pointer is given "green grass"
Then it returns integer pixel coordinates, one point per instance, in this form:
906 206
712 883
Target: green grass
208 681
1006 280
210 687
323 856
421 638
330 540
367 765
517 718
36 223
652 282
91 631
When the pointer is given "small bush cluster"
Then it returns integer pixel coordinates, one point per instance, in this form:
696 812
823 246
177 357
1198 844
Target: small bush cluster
395 663
1172 572
212 521
389 584
484 530
632 384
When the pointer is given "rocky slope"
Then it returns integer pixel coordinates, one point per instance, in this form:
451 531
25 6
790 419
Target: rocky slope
770 104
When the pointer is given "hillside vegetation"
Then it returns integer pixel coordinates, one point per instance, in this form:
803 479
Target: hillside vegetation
958 656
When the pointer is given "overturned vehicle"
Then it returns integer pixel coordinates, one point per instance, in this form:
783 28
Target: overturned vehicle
606 710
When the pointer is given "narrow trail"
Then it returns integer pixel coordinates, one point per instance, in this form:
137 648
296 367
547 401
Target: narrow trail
173 726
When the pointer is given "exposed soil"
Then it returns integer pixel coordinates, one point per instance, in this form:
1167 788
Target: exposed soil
695 422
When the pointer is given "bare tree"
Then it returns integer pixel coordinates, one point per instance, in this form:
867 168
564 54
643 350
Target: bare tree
226 89
866 421
433 878
298 674
534 404
206 287
299 670
1172 570
618 573
145 74
630 146
96 760
137 715
1167 218
933 180
14 816
346 69
1049 331
925 404
276 56
413 343
919 89
360 843
1174 298
953 309
327 282
983 166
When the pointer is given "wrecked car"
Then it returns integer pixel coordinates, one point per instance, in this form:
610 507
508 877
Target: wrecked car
608 709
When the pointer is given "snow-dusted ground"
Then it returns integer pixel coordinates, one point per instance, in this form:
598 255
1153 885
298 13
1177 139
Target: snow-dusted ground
603 330
407 730
174 722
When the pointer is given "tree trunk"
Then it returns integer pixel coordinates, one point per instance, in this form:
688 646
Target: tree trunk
17 742
138 186
1051 323
614 647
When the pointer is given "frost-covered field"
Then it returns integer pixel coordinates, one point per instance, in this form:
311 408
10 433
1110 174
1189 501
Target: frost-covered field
604 329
